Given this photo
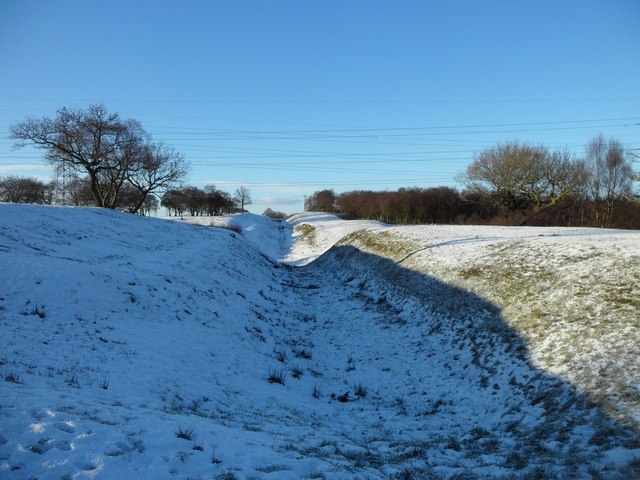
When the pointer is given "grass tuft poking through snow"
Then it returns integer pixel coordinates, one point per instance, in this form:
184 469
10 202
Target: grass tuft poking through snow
186 433
277 376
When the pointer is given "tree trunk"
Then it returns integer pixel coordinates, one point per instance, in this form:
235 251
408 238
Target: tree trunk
136 208
536 210
95 190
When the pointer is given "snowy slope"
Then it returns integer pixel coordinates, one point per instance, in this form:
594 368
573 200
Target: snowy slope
299 240
315 233
135 347
117 330
573 294
271 237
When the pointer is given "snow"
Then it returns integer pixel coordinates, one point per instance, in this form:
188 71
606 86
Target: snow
269 236
285 241
121 334
327 231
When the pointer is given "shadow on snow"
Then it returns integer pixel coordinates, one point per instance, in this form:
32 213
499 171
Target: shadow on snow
550 420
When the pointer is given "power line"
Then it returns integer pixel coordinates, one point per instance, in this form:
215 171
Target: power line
393 129
403 181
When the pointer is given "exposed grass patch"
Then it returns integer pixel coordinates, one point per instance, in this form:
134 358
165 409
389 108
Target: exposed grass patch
302 353
385 244
280 355
274 467
515 460
233 228
359 390
12 377
228 475
307 233
317 475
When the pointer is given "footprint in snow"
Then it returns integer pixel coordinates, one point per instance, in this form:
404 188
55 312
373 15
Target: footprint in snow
86 465
65 427
62 445
41 415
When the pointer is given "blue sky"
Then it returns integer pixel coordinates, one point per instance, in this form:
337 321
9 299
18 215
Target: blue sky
289 97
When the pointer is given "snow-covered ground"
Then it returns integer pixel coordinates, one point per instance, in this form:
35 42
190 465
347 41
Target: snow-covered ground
313 348
298 241
573 294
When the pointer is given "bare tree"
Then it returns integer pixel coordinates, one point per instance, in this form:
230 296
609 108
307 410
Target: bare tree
242 197
110 151
194 200
274 214
524 178
78 191
216 201
150 205
87 141
321 201
174 201
610 177
359 204
158 166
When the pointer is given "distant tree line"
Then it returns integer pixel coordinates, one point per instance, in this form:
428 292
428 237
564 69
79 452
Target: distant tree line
195 201
511 183
15 189
186 200
403 206
208 201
